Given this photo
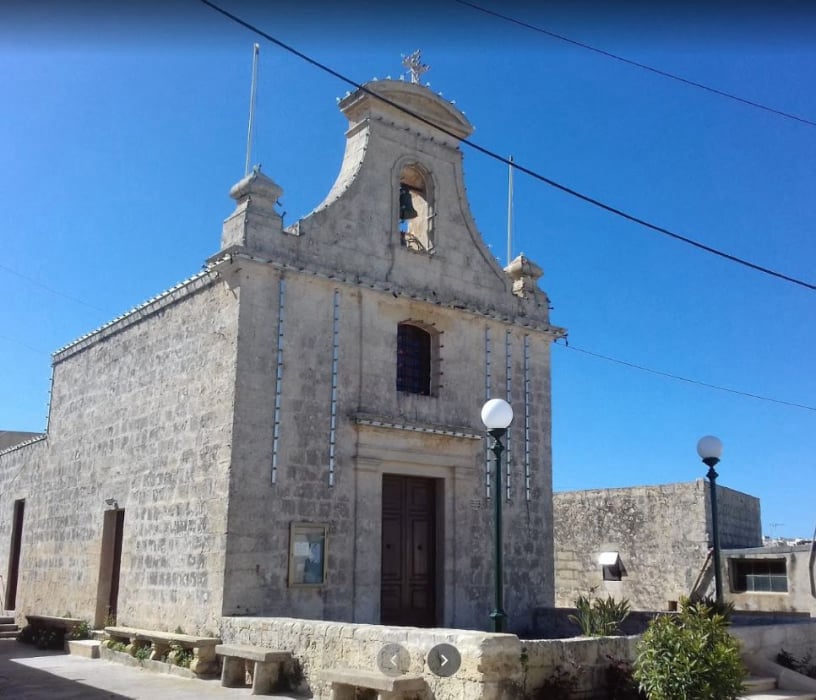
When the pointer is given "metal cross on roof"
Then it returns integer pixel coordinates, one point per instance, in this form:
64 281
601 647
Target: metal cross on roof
415 65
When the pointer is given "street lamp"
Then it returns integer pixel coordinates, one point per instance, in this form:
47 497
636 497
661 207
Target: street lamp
710 448
497 415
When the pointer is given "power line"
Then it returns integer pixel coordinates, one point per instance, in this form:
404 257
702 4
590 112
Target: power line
630 62
31 280
527 171
686 379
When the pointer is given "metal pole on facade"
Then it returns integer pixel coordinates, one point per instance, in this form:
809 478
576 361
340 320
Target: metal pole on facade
710 448
497 415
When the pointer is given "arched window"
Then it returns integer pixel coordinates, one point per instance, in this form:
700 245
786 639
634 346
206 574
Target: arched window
415 209
413 359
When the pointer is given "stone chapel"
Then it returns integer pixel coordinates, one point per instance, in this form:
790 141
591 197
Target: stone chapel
296 429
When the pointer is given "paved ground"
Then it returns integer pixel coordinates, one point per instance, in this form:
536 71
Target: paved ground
27 673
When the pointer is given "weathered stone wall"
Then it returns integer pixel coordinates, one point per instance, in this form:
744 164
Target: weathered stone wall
738 516
661 560
491 663
661 532
141 412
493 666
349 249
257 559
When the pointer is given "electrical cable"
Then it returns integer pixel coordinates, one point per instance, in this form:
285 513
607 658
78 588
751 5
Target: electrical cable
49 289
685 379
630 62
527 171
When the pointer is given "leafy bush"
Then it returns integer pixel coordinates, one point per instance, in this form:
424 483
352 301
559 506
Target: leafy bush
804 665
81 631
712 606
689 655
142 653
599 617
179 656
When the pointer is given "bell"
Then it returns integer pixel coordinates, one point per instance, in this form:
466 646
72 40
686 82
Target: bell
406 204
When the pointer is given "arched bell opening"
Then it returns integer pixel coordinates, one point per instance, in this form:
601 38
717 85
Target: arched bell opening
415 213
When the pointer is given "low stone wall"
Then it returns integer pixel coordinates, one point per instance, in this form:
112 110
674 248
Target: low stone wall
491 663
586 658
768 640
494 666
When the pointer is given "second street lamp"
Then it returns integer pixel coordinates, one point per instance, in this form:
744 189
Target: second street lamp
497 415
710 448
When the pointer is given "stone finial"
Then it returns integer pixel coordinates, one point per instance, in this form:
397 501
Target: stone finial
254 220
525 274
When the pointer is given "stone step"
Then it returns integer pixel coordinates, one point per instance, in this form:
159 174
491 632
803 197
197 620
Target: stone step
757 684
8 627
8 635
6 620
89 648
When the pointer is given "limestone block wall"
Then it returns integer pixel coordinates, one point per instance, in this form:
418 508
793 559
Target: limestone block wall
141 412
659 532
345 493
738 517
491 663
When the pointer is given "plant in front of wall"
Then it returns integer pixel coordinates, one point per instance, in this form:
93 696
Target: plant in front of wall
599 617
689 655
804 665
142 653
179 656
82 631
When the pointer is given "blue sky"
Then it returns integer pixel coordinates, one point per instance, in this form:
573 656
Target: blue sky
121 132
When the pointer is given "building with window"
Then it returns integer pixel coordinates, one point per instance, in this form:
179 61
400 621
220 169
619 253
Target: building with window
776 578
648 544
295 430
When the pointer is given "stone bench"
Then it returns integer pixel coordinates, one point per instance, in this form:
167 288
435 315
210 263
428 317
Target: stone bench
63 626
265 672
203 648
346 683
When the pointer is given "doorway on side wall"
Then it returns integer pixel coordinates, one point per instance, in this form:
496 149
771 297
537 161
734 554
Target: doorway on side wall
408 579
107 595
14 554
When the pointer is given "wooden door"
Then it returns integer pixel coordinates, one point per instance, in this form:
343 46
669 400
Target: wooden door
14 555
408 584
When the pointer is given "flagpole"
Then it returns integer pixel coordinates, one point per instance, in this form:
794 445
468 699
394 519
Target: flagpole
510 212
256 50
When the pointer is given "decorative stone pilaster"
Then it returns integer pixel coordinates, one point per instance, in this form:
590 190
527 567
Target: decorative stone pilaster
525 274
254 221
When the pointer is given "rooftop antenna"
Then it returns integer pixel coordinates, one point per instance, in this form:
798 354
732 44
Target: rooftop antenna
510 211
256 50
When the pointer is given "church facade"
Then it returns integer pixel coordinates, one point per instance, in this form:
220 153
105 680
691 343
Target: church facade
295 430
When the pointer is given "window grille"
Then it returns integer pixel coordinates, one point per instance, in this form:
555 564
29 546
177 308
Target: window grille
760 575
413 359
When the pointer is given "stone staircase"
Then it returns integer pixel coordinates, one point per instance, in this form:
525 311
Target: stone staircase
765 689
8 630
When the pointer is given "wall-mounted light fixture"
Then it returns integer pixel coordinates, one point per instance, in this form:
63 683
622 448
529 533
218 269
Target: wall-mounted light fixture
112 503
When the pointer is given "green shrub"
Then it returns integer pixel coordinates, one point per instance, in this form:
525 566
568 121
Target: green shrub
599 617
712 606
81 631
689 656
142 653
804 665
